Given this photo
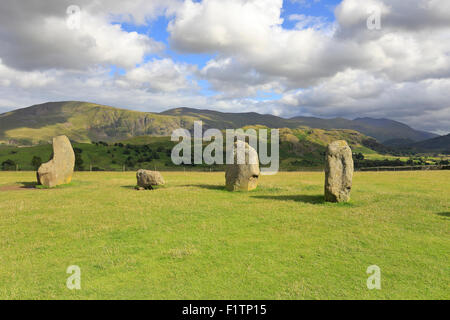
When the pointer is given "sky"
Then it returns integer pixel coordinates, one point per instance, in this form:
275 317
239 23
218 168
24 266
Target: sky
324 58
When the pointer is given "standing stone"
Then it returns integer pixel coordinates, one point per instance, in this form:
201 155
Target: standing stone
338 172
146 179
59 170
243 176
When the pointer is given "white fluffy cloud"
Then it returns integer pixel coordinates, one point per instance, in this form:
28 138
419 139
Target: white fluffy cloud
327 69
423 104
153 86
159 75
320 67
38 37
251 32
43 59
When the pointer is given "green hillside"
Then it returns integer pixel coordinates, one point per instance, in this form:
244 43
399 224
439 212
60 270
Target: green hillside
86 122
439 144
299 148
83 122
380 129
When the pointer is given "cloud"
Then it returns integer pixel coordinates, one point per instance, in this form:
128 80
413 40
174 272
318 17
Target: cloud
159 76
42 59
155 85
341 68
319 67
251 33
234 80
38 37
396 15
351 94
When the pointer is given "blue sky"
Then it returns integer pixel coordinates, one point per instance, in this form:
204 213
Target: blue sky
157 29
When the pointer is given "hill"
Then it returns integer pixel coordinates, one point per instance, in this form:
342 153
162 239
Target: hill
87 122
299 148
83 122
439 144
380 129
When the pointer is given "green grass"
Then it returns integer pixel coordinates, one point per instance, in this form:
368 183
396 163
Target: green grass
194 240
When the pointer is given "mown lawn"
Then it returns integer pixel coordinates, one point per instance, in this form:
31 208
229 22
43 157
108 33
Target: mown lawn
193 240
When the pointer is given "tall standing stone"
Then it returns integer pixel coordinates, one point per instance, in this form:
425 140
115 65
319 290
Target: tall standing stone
243 174
338 172
59 170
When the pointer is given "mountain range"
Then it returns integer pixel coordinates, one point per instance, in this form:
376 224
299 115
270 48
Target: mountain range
380 129
438 144
87 122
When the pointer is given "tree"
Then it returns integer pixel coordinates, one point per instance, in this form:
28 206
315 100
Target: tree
36 162
358 156
78 159
130 163
8 165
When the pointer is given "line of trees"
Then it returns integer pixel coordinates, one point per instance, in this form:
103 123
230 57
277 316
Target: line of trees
11 165
135 155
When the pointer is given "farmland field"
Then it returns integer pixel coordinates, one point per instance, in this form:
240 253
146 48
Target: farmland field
193 240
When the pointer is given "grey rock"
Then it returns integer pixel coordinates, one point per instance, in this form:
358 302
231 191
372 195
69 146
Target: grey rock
59 170
338 172
243 177
146 179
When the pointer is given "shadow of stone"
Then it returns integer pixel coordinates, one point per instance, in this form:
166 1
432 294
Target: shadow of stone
444 214
317 199
129 187
205 186
28 185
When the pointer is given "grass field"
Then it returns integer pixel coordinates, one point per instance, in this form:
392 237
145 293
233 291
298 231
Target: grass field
193 240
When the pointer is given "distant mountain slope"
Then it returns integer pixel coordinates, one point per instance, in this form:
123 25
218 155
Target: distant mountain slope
386 129
439 144
85 122
380 129
221 120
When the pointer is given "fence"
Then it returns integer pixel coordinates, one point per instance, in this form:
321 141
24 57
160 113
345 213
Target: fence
221 169
406 168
